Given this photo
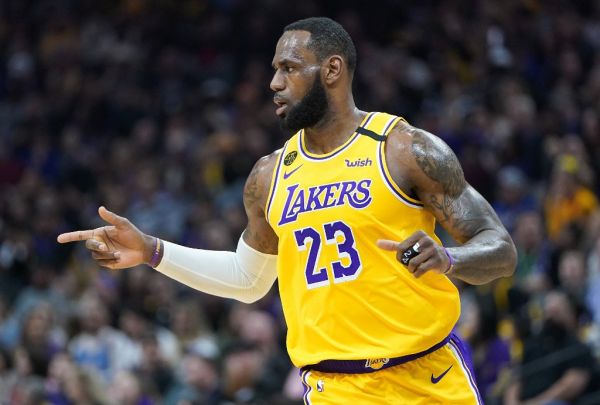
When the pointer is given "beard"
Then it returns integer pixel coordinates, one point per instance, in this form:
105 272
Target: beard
309 111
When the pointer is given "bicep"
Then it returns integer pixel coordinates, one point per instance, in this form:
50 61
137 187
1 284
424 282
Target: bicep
258 233
440 184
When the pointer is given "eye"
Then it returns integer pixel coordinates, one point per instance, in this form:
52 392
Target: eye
289 69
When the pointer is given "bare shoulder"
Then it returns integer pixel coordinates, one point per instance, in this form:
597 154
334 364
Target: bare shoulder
424 160
257 185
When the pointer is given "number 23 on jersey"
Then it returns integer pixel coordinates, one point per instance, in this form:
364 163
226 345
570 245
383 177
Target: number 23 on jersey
337 233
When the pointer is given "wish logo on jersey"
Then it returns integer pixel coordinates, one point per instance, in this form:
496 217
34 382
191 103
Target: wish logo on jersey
359 162
357 194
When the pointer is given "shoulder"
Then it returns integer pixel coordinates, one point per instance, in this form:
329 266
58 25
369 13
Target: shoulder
423 158
420 145
258 182
264 166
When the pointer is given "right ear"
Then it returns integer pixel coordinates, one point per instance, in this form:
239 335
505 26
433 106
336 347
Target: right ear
334 67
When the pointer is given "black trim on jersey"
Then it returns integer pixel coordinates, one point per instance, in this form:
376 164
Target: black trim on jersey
370 134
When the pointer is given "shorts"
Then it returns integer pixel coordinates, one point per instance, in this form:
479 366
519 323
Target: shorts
444 376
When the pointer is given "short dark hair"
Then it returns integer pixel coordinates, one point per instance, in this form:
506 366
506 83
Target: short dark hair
327 38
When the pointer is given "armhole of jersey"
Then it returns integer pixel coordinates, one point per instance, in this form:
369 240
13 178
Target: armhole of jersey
385 173
274 179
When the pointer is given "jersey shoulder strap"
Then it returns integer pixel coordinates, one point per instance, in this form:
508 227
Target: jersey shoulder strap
379 126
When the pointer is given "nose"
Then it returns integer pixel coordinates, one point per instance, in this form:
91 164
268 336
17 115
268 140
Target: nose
277 83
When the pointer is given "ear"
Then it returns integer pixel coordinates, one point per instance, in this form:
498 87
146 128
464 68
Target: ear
333 69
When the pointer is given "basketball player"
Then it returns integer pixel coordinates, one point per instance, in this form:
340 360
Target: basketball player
344 216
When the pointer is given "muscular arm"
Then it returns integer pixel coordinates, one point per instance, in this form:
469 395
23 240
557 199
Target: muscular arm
423 163
258 233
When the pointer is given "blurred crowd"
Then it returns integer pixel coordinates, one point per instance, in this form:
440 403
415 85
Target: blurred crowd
158 109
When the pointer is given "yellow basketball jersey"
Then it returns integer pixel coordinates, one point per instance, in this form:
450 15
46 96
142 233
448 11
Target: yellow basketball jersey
343 297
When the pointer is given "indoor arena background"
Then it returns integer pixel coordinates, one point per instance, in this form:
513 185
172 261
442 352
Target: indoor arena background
158 110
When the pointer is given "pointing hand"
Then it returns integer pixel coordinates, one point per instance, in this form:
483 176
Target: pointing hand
116 246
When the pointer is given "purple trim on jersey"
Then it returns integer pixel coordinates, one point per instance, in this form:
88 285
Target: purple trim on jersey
391 184
359 366
389 124
307 388
465 358
274 188
350 142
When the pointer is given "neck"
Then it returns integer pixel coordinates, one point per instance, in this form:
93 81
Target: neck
335 128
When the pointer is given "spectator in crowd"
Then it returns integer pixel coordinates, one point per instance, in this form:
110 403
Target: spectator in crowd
98 345
242 366
533 252
38 294
126 389
572 275
258 328
569 203
40 339
155 372
191 330
557 367
19 384
197 382
514 197
491 353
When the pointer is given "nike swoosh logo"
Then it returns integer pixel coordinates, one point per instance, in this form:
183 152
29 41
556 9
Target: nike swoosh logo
435 380
288 174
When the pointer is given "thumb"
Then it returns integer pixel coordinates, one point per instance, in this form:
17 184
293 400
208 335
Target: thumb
111 217
388 244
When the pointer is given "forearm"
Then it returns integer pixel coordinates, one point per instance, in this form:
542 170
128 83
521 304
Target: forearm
483 258
245 275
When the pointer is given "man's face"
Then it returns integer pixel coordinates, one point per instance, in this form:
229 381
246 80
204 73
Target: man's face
300 96
558 311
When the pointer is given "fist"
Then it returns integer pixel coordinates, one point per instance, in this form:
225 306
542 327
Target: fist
419 253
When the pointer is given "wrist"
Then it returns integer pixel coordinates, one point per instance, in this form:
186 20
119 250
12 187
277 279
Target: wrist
451 262
153 251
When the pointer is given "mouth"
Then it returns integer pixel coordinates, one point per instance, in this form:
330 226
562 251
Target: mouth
281 106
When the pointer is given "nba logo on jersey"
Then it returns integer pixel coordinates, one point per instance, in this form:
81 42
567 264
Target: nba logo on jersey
376 364
320 385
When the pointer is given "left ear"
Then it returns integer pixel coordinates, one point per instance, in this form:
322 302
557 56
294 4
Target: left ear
333 69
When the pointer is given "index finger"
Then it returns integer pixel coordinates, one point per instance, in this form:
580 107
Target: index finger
75 236
387 244
401 246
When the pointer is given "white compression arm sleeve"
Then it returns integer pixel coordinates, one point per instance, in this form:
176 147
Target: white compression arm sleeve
246 275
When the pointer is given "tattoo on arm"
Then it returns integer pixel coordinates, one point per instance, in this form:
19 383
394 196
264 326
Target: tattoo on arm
252 189
258 233
259 242
438 162
460 217
487 251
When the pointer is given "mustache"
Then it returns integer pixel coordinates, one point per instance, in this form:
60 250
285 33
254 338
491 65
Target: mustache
277 99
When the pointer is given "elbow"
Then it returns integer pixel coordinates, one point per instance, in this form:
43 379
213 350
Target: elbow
510 258
251 295
249 299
